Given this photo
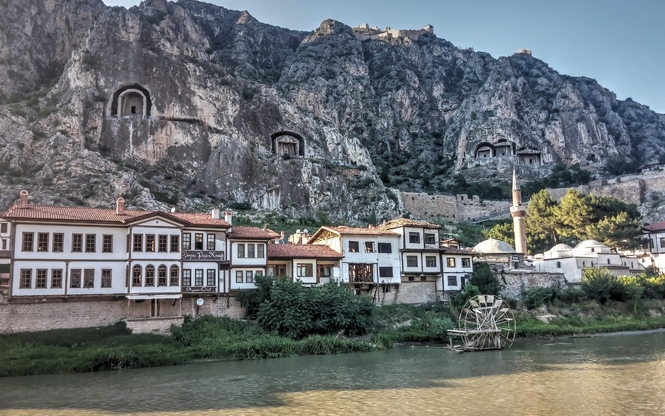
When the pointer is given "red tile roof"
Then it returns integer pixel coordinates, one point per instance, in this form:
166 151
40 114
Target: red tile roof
302 251
239 232
53 212
407 222
658 226
105 215
453 250
200 219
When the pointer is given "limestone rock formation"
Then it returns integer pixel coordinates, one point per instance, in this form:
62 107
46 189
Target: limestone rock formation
191 104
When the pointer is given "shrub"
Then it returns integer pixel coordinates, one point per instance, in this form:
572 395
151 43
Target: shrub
296 311
536 297
600 285
485 279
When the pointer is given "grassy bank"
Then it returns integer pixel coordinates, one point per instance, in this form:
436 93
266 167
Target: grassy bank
114 347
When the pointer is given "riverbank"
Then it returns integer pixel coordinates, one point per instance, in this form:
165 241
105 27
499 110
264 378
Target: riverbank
114 347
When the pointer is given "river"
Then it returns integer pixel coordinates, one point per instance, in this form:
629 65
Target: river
621 374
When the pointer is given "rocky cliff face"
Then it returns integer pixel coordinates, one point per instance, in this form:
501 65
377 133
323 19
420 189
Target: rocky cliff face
190 104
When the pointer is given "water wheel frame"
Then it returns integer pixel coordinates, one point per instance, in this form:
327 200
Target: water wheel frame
485 323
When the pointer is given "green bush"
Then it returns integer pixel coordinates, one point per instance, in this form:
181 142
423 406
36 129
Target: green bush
296 311
536 297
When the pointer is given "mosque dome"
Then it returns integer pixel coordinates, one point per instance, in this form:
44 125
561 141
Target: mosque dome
493 246
591 246
558 251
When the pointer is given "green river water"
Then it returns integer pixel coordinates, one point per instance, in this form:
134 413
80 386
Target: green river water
620 374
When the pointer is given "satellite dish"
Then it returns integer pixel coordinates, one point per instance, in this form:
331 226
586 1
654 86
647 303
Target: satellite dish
199 301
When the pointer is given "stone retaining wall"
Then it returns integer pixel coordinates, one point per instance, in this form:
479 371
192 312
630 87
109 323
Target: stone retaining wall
517 280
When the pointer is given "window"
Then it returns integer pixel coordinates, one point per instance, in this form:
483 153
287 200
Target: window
136 275
198 241
279 269
584 264
466 262
28 239
369 247
249 276
359 273
88 278
414 238
56 279
77 243
4 244
430 238
150 243
162 243
411 278
608 261
107 243
212 276
90 243
58 243
3 227
411 261
324 270
161 275
353 246
42 242
175 243
106 277
187 241
260 251
40 282
385 272
452 280
450 261
198 277
75 278
241 251
138 242
26 279
662 242
558 264
211 241
250 251
305 270
385 248
186 277
430 261
174 275
423 278
150 275
239 276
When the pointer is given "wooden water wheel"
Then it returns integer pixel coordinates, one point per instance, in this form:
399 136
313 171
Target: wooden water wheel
485 323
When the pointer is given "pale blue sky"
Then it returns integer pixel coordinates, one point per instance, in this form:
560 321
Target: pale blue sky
619 43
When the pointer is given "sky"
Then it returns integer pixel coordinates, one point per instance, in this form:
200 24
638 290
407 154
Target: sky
620 43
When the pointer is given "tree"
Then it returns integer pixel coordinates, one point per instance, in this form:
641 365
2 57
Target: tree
503 232
541 222
619 231
485 279
573 215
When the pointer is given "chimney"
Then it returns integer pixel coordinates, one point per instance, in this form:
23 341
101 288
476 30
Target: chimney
120 206
215 213
23 199
228 216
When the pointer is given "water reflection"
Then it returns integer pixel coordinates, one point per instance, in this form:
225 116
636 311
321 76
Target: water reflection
608 375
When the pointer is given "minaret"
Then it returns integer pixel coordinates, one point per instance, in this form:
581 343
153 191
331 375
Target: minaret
518 212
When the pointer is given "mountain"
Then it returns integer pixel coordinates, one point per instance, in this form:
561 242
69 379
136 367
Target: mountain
191 104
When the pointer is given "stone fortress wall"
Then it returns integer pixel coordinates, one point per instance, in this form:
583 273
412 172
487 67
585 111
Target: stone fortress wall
454 208
364 32
458 208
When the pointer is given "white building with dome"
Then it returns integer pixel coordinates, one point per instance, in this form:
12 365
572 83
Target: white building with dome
499 253
587 254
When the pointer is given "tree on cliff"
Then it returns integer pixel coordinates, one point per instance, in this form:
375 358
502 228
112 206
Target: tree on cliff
541 222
